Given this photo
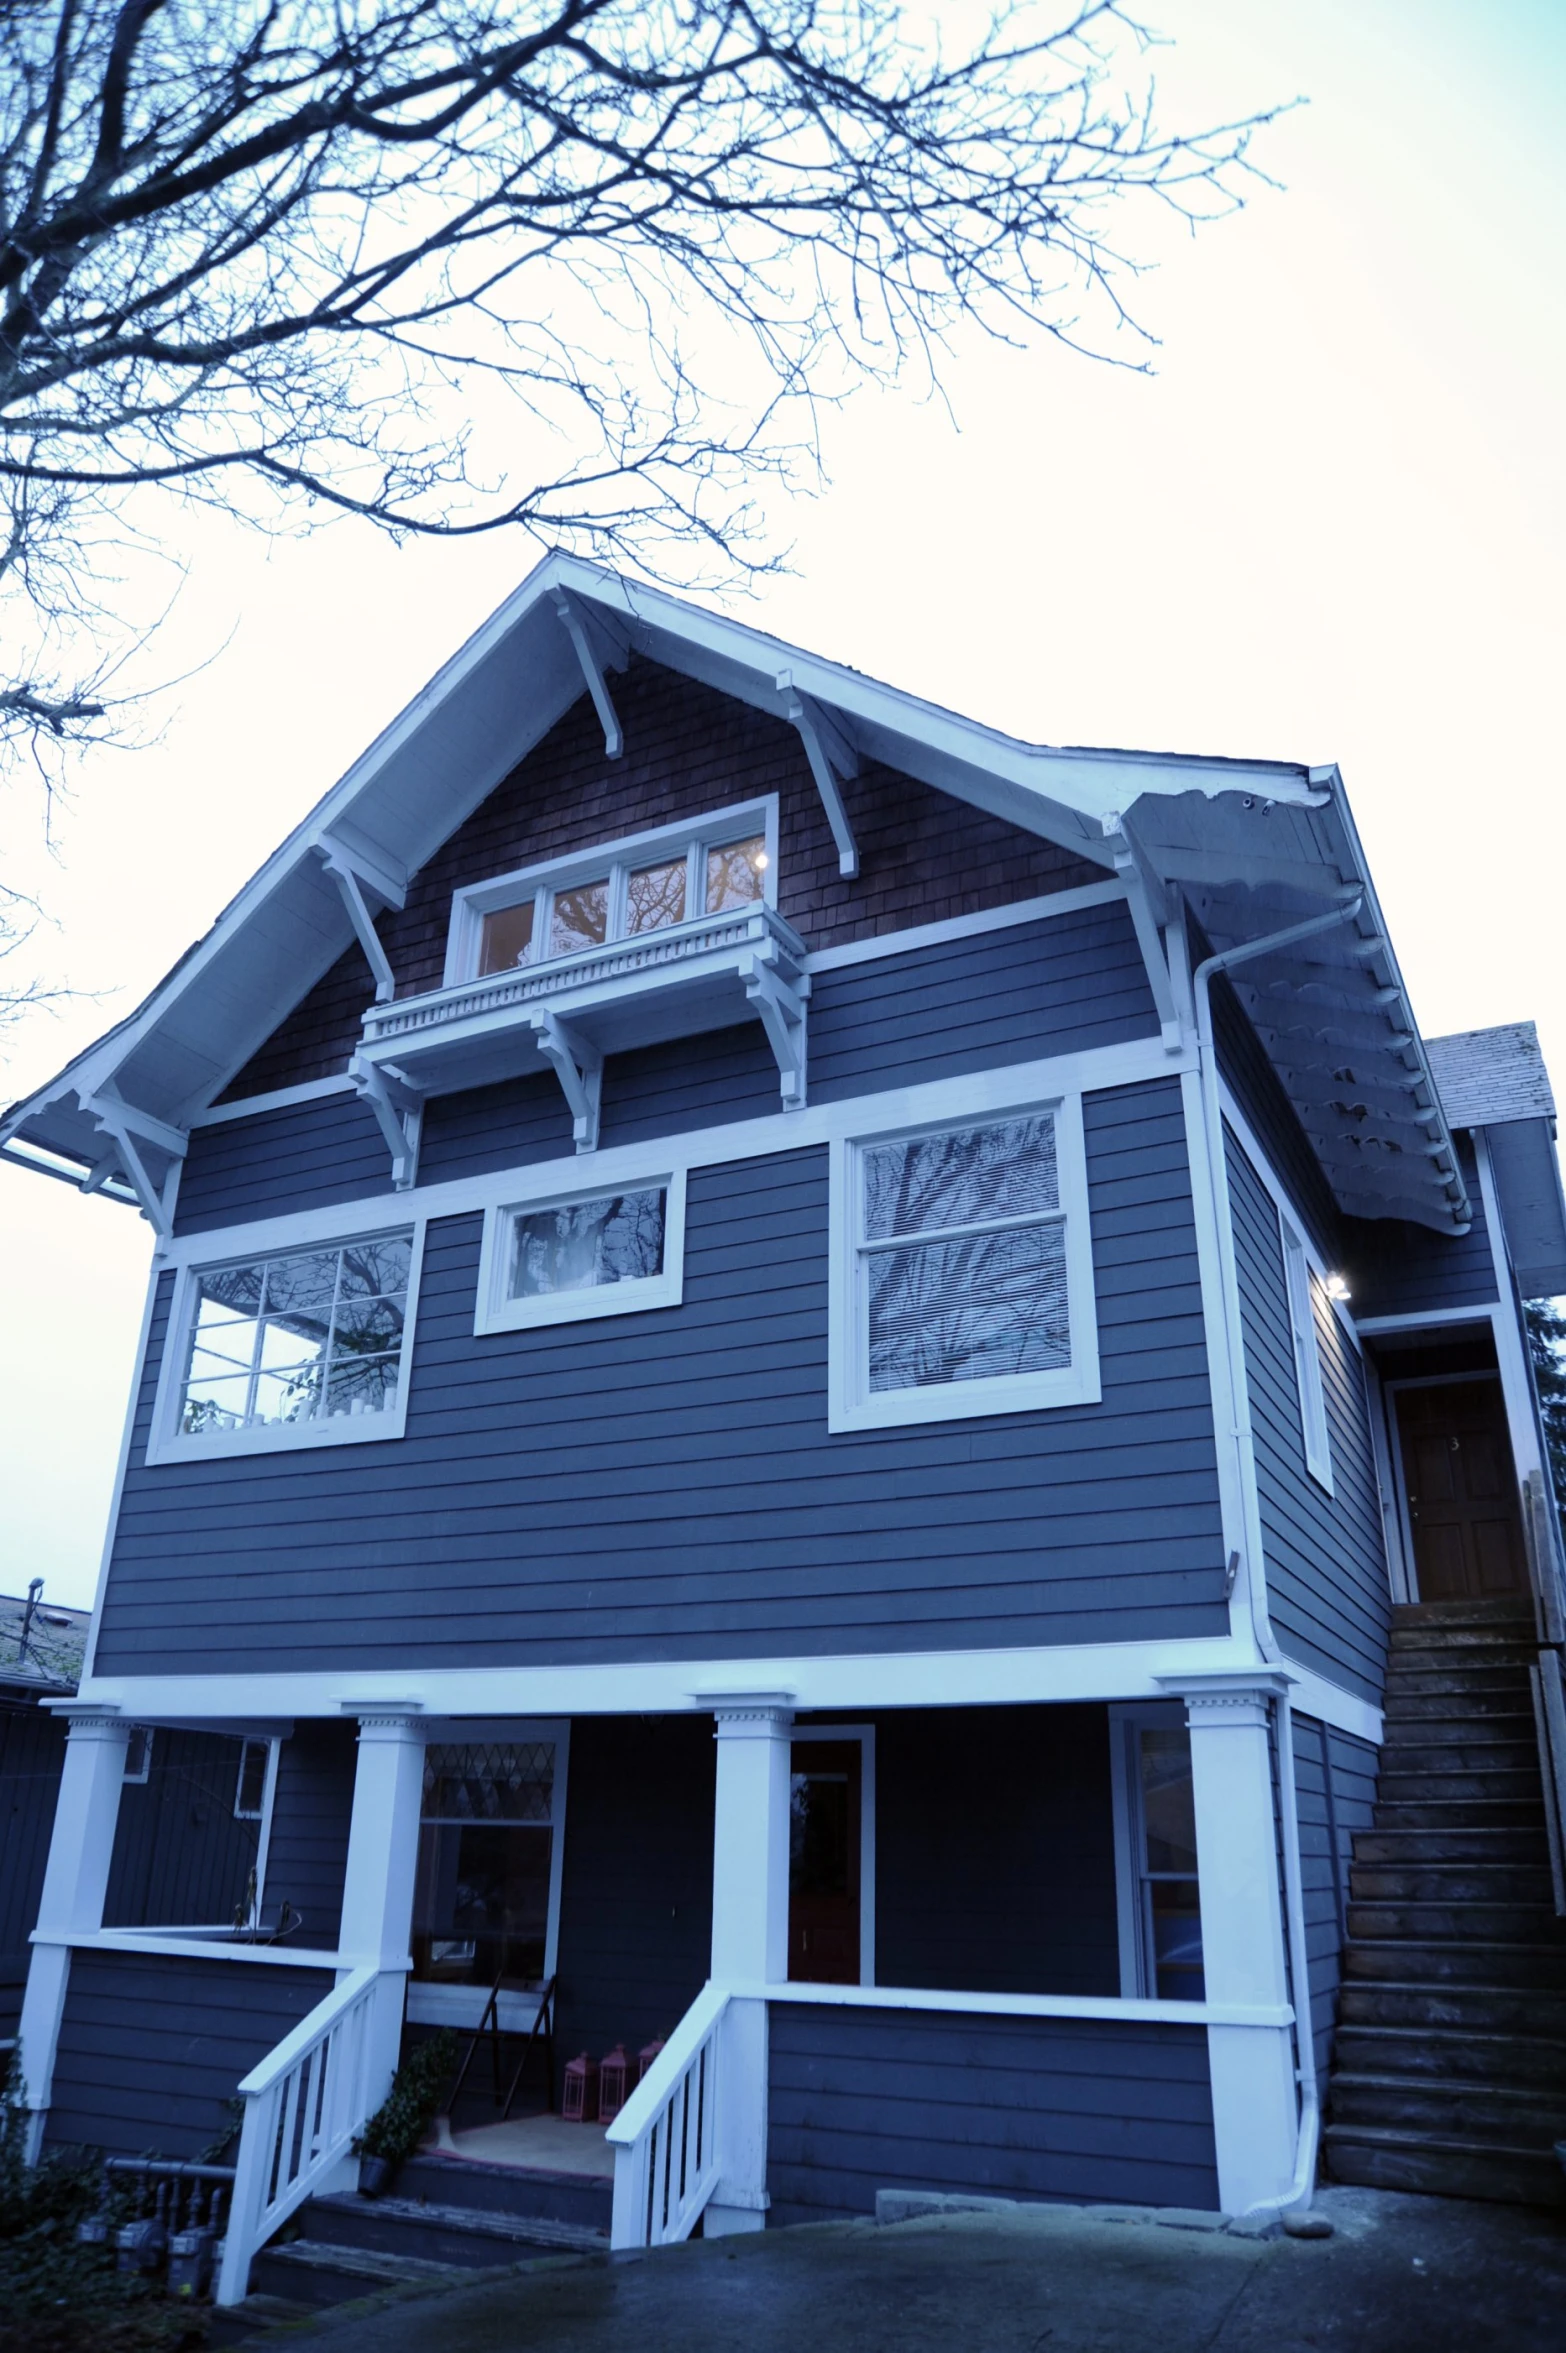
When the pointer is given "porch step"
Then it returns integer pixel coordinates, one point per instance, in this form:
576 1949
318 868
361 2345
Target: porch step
1423 1711
1478 1962
1480 1883
1473 2009
310 2272
1444 2055
466 2236
1499 1613
1505 2115
513 2191
1454 1812
1455 2168
1464 1920
1461 1752
1454 1842
1412 1779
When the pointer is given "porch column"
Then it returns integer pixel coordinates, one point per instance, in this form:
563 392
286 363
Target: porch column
749 1937
76 1879
383 1850
1255 2104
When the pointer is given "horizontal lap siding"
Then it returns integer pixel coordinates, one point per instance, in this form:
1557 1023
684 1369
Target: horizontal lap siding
181 1859
303 1156
1055 2109
664 1486
151 2048
307 1854
1327 1589
1335 1789
1400 1269
32 1757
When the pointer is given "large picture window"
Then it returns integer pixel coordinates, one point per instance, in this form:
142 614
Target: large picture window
964 1283
580 1255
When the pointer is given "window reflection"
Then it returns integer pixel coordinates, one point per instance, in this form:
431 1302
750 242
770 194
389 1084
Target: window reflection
292 1339
734 874
580 919
655 897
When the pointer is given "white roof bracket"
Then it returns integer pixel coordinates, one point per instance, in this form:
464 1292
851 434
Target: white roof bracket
833 761
398 1106
1148 900
133 1132
599 646
343 871
579 1066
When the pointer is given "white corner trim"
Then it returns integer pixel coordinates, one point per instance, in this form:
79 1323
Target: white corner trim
1109 2007
964 927
496 1312
310 1090
850 1403
116 1495
167 1444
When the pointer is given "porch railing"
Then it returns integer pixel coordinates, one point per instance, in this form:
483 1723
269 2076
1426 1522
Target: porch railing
303 2106
665 2138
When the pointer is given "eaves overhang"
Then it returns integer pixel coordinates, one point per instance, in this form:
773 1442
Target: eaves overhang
1251 845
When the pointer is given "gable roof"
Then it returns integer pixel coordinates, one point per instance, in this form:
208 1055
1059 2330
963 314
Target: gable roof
1490 1076
1257 846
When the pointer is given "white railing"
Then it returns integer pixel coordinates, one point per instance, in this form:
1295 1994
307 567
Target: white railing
303 2106
665 2138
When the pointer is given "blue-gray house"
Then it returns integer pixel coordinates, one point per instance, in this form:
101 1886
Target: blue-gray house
818 1387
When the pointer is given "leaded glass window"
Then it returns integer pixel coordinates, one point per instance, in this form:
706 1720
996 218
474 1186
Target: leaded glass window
306 1336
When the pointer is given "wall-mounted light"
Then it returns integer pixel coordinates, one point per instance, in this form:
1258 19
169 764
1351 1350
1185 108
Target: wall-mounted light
1337 1288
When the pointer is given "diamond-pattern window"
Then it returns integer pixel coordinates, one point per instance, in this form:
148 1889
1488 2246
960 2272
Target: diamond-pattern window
489 1781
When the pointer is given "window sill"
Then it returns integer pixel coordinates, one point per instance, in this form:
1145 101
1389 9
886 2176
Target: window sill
576 1307
230 1445
955 1401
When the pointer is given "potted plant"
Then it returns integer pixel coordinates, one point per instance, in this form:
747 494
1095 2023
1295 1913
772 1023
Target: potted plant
403 2118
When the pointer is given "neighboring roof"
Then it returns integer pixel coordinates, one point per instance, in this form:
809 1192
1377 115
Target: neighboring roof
1488 1076
56 1645
1258 847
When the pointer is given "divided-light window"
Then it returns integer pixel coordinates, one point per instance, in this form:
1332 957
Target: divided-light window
963 1279
628 896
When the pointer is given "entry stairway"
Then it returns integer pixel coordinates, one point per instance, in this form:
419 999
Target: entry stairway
1450 2061
450 2216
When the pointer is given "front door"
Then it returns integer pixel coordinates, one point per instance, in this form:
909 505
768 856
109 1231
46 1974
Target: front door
823 1862
1461 1489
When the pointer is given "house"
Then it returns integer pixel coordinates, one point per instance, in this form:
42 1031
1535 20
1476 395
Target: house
802 1365
41 1646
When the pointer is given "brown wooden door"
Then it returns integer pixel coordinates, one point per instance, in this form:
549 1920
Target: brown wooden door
1462 1490
823 1873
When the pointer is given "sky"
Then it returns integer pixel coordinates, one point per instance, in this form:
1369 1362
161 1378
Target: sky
1331 526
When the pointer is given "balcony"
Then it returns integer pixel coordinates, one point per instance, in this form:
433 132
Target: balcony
568 1013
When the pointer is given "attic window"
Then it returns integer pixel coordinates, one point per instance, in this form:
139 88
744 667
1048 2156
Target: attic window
715 865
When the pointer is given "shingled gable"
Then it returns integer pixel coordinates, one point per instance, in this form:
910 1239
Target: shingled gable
1258 848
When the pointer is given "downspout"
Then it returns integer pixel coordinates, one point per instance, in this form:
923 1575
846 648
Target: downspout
1297 2196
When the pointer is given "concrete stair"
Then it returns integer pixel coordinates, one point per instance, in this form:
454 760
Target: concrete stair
1450 2064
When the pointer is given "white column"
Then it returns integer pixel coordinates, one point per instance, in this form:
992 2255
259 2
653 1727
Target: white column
76 1880
1255 2103
383 1852
749 1937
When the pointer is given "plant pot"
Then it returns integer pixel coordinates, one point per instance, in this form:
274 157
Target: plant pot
375 2176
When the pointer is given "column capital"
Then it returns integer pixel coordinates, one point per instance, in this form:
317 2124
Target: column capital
1237 1700
94 1720
386 1719
748 1715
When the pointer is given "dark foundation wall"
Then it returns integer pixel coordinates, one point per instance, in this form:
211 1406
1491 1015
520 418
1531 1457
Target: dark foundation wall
995 1852
636 1891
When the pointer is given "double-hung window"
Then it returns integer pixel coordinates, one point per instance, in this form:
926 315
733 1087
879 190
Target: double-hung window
715 865
962 1280
1159 1883
304 1347
567 1257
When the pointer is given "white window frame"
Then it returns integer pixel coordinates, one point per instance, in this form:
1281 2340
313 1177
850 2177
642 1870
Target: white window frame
693 836
140 1777
1299 1291
1127 1722
495 1312
248 1741
851 1404
168 1443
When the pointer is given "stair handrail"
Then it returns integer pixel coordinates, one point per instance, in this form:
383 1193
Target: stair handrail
304 2104
665 2138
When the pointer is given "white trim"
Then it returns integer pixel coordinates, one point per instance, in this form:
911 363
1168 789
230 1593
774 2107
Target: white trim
248 1741
310 1090
1299 1291
850 1404
1126 1720
694 835
1378 1326
965 927
1510 1354
513 1729
141 1779
1400 1567
178 1944
268 1809
865 1735
1106 2006
496 1312
838 1684
166 1443
981 1093
132 1405
462 2006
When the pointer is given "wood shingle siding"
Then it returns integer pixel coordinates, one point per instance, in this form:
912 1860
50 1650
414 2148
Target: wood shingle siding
1052 2109
663 1486
689 750
1327 1588
152 2047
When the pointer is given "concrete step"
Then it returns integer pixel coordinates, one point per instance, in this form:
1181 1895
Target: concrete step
1480 1883
1388 2160
463 2235
1404 1961
1429 1920
1465 2008
307 2272
1450 1811
1510 2117
1454 1842
1526 2062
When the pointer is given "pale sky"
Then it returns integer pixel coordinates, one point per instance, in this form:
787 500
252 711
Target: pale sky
1332 526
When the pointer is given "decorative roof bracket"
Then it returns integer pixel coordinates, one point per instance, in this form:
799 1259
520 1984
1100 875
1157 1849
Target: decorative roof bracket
398 1106
354 873
1148 901
833 761
599 646
579 1067
779 999
133 1132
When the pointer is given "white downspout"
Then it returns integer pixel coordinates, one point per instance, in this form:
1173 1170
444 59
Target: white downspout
1297 2196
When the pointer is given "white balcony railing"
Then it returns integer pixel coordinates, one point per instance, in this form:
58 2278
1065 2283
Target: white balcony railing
304 2105
665 2138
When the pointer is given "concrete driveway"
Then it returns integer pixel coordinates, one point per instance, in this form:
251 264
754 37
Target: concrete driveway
1399 2275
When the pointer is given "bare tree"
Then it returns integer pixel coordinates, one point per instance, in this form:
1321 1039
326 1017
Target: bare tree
583 266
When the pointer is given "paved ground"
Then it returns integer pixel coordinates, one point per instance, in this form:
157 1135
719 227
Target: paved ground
1400 2275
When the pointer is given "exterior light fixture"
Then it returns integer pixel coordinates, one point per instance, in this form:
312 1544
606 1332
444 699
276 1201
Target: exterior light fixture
1337 1288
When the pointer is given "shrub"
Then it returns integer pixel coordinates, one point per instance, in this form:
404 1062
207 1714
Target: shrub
400 2123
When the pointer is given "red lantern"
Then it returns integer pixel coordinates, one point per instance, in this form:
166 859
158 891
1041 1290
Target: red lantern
580 2103
646 2055
611 2084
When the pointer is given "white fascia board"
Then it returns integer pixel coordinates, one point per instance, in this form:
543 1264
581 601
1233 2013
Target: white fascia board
910 1679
